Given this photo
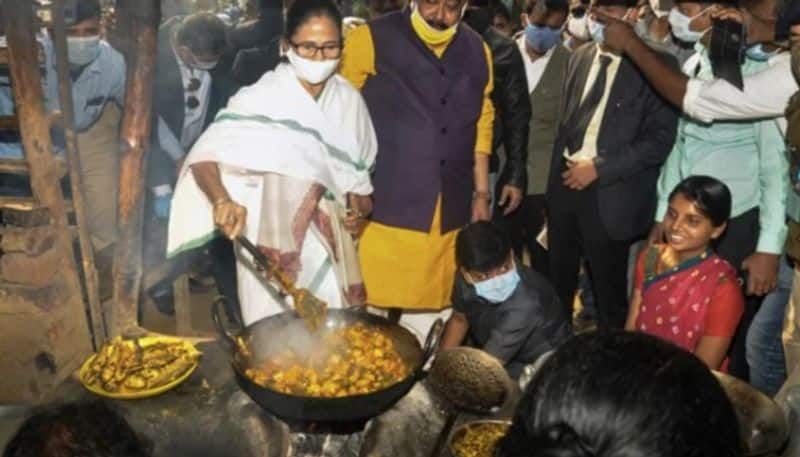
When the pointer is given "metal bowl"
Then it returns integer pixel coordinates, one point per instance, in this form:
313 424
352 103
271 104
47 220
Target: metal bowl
762 424
461 430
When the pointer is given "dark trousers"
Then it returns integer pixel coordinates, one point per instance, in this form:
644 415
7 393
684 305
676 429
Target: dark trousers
737 243
575 230
523 225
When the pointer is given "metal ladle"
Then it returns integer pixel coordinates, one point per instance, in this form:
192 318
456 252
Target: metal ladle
471 381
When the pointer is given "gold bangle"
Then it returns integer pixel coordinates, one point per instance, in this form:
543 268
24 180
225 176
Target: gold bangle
481 194
220 201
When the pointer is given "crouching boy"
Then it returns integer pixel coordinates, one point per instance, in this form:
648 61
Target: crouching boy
505 309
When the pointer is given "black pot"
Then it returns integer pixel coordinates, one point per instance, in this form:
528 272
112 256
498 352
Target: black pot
271 335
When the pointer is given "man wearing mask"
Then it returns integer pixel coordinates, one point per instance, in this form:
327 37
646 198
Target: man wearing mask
97 74
764 95
577 30
545 61
614 135
749 157
512 110
427 81
185 100
652 26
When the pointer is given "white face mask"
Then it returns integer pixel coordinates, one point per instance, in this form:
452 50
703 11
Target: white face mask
680 24
82 51
312 71
578 27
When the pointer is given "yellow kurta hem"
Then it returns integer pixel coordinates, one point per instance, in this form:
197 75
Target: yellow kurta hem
408 269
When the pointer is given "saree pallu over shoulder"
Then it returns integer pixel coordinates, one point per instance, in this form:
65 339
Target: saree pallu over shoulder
275 126
290 160
675 303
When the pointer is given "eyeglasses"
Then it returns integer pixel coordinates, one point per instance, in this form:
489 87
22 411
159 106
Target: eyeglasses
309 50
192 102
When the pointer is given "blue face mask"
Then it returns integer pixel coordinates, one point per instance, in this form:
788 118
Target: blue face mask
499 288
596 30
540 38
757 53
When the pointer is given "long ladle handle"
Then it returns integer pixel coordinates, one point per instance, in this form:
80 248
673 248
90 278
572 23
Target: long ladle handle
216 316
258 257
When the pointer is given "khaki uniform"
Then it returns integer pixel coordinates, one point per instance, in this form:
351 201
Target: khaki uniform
99 157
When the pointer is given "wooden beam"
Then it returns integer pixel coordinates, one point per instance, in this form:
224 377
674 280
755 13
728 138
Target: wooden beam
9 122
91 287
21 167
141 18
35 133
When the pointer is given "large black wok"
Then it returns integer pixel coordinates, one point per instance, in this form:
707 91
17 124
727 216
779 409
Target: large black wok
274 334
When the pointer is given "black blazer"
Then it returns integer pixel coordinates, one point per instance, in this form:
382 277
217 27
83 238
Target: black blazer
636 136
169 103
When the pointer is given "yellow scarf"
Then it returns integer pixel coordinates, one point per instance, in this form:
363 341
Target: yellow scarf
431 36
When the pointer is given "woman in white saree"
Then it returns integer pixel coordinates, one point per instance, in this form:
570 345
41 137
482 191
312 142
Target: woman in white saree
281 164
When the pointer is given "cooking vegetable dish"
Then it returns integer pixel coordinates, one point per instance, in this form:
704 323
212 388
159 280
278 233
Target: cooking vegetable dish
354 360
478 439
128 366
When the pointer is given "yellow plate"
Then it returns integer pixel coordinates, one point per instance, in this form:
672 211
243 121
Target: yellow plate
144 341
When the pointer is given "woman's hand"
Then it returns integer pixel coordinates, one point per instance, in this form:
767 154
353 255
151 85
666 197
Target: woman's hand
356 218
230 217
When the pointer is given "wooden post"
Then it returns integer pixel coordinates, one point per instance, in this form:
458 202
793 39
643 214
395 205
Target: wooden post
75 178
143 17
35 132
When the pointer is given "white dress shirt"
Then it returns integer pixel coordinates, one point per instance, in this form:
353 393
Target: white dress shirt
534 69
589 149
765 95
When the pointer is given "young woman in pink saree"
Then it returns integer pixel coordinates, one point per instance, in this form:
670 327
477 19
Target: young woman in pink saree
683 292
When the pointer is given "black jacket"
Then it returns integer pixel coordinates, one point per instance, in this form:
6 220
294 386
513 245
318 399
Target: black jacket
636 136
169 103
511 100
519 330
251 64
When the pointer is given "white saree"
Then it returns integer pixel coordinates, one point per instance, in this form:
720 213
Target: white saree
290 160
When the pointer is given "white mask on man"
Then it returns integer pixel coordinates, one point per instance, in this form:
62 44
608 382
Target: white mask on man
579 28
81 51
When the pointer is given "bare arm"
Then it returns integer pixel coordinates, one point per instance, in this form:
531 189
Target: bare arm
454 331
665 78
633 310
480 204
229 216
208 179
712 350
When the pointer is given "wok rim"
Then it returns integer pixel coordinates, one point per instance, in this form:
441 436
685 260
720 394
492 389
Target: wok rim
413 374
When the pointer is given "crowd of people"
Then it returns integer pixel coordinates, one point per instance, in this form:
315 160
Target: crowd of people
448 159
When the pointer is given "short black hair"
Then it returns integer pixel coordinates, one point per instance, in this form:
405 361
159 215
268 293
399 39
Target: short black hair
482 246
203 33
604 394
78 11
711 196
303 10
550 5
77 429
498 9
